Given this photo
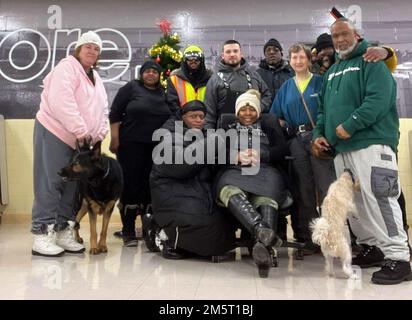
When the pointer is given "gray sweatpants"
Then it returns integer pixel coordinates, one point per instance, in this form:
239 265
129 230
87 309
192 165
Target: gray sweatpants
54 199
378 221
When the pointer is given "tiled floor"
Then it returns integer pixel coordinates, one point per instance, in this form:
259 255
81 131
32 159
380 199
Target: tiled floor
135 273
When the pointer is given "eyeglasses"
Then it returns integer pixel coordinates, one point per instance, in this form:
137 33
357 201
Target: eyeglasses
193 59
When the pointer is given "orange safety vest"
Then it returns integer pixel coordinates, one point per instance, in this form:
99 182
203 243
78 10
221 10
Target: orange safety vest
186 92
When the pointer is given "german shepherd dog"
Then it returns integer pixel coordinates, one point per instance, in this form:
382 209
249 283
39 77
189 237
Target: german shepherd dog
101 182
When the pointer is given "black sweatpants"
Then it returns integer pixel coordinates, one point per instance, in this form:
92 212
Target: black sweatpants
312 177
135 158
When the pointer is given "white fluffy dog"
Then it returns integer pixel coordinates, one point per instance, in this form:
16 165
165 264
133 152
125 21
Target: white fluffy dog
330 231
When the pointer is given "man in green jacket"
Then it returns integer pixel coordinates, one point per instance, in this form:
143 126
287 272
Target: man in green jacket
358 117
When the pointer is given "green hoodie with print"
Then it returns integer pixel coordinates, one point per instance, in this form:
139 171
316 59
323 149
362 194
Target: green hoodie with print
362 97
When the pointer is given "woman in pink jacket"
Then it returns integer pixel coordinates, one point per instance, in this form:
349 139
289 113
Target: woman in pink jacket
73 107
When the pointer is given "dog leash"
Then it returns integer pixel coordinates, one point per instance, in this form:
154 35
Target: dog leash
346 169
351 174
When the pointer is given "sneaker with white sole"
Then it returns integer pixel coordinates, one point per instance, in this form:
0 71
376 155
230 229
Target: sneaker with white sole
45 244
66 239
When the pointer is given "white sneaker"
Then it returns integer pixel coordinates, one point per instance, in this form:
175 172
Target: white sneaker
67 240
45 244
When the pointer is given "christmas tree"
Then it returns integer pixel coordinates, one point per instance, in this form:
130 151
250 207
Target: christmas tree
166 52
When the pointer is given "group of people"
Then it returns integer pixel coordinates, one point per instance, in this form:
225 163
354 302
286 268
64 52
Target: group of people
325 110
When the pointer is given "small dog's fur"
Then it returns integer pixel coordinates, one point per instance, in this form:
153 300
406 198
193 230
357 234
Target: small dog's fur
101 182
330 231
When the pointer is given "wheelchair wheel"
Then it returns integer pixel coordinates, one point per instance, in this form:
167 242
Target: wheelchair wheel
215 259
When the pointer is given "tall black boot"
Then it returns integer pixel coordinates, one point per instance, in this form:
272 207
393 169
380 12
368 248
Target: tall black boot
270 217
129 214
244 212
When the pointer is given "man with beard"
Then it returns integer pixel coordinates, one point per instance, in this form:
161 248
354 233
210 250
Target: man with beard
233 78
326 55
273 69
189 82
326 58
358 116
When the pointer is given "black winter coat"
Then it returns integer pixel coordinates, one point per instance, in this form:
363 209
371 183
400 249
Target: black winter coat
270 180
274 77
182 199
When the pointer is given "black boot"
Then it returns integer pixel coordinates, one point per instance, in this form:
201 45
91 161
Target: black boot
270 216
263 235
168 246
149 230
119 234
393 272
369 256
169 252
244 212
282 227
128 213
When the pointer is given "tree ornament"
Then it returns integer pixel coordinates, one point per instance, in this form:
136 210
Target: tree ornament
164 26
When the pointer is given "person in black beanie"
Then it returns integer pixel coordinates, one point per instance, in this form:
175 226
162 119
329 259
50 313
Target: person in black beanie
273 69
138 109
326 54
184 209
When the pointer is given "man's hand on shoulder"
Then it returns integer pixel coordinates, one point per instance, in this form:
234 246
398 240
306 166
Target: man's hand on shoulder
375 54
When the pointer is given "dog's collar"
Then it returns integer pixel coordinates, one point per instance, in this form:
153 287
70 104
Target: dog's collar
107 171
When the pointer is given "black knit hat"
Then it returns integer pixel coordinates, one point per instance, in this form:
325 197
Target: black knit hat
323 41
150 64
274 43
194 105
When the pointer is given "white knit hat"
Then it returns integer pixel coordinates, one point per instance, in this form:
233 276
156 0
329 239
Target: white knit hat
89 37
251 98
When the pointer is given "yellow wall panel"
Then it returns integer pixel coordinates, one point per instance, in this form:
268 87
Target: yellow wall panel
19 148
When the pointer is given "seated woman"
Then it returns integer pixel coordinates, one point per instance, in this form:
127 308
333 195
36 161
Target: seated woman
254 199
182 200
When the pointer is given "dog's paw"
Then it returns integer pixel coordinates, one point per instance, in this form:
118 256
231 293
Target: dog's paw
94 251
354 276
330 273
103 248
79 240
